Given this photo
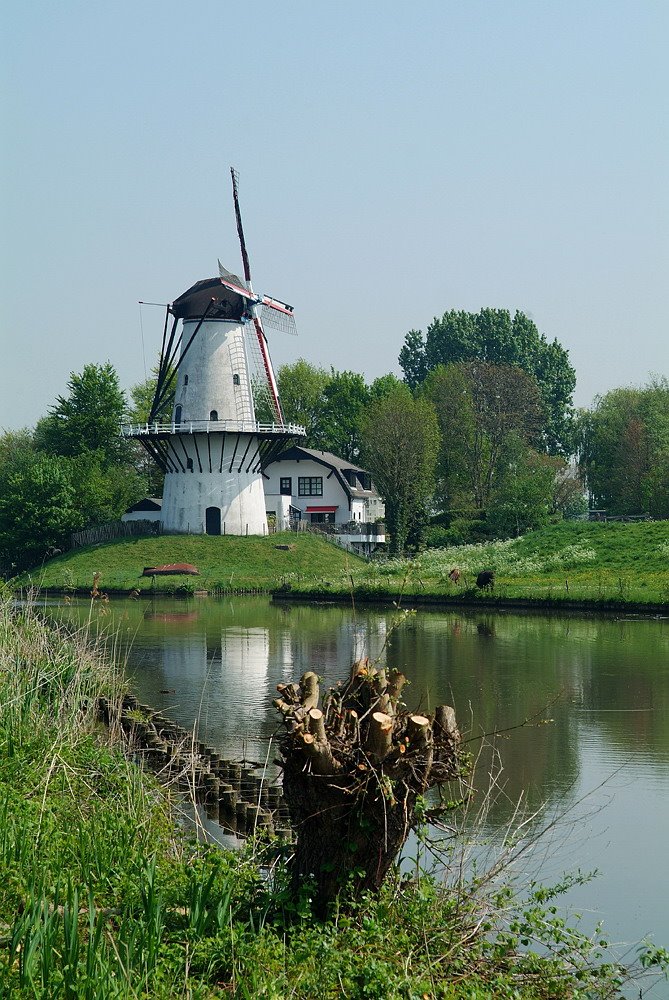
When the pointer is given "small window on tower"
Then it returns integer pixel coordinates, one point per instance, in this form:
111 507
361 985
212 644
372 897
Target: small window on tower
177 414
213 415
235 379
189 464
185 379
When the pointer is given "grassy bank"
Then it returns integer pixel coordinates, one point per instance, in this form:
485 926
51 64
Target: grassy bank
226 563
601 565
103 897
606 565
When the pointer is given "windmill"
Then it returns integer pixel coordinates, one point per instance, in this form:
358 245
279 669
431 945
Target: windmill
214 372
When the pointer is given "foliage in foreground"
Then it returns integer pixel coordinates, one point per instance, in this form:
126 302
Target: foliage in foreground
102 897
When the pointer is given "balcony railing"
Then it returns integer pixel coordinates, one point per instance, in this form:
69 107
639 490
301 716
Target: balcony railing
350 528
210 427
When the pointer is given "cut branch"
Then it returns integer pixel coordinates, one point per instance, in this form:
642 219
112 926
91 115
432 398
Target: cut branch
352 774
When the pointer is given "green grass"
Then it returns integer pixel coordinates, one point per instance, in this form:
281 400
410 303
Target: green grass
102 897
599 564
226 563
612 565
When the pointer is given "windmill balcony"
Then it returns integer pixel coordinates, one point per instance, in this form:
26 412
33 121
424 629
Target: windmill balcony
210 427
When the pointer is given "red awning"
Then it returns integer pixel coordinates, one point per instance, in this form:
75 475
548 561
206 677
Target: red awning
322 510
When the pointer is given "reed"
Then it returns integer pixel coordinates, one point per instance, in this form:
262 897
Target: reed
103 898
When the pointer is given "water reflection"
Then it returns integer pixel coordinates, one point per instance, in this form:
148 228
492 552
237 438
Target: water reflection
579 704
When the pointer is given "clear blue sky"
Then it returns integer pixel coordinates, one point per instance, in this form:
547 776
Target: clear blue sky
396 160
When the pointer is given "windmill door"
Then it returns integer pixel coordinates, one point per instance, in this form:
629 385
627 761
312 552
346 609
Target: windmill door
213 520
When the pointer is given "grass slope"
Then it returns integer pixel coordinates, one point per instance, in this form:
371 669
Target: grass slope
226 563
603 564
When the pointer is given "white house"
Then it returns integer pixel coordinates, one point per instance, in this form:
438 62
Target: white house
147 509
308 487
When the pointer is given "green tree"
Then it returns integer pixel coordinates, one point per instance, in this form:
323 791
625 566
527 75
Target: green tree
142 396
479 405
412 359
38 508
493 336
104 491
345 398
87 419
302 393
400 442
624 449
523 493
383 386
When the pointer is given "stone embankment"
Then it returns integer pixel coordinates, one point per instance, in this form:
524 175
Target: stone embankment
237 794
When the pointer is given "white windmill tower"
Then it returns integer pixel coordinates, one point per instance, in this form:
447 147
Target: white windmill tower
216 375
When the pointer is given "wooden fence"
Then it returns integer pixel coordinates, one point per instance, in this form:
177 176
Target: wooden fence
115 529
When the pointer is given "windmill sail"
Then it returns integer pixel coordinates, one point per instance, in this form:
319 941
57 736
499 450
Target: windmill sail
257 321
280 319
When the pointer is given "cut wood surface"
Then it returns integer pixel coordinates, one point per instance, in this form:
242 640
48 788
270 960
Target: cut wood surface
355 763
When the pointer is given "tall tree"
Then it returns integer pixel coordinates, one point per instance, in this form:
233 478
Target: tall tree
412 359
479 405
302 393
38 508
87 419
492 335
524 489
400 441
346 396
142 396
624 449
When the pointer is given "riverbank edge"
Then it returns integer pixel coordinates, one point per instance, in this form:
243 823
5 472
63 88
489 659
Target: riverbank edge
605 605
484 602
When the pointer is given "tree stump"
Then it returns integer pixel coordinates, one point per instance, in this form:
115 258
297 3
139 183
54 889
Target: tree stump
354 770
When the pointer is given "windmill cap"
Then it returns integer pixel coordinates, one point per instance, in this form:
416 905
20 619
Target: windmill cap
196 300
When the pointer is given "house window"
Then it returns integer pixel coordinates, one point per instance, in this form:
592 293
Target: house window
286 486
323 518
235 379
213 415
310 486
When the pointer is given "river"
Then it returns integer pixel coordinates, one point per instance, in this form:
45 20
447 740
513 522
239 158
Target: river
580 706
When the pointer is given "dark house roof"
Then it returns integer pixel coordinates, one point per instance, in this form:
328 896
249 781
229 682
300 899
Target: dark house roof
148 503
356 481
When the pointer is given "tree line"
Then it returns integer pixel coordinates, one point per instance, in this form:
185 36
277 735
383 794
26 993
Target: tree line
479 439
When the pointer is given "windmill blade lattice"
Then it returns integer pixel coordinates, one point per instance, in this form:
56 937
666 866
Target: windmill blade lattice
278 319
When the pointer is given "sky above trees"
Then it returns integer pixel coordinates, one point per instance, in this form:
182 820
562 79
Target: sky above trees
396 162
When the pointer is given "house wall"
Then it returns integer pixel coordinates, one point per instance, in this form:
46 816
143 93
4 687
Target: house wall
333 492
141 515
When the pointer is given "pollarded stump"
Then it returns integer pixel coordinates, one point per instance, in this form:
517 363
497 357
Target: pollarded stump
353 773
